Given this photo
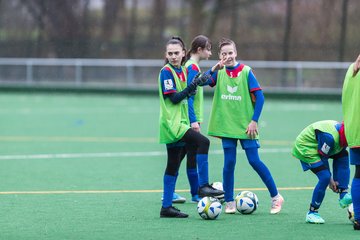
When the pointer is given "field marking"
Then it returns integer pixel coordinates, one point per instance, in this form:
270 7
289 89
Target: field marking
115 154
133 191
76 139
109 139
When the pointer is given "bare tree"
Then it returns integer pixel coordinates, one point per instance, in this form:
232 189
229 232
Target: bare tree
157 22
342 39
65 23
196 17
287 34
213 18
130 46
111 11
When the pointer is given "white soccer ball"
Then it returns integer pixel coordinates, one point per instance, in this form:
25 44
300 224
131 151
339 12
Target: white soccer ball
350 211
209 208
246 202
219 186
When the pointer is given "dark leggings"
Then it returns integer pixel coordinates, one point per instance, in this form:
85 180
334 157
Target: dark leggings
357 171
177 153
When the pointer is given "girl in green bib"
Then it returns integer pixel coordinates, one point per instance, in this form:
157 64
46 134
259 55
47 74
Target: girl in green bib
175 129
200 49
313 147
351 111
236 108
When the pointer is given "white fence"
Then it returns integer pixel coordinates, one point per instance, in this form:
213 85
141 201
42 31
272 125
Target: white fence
143 74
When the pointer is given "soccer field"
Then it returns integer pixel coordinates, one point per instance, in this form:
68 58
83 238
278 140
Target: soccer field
82 166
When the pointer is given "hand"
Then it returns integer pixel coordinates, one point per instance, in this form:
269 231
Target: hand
192 93
195 126
252 130
201 79
333 185
356 66
219 65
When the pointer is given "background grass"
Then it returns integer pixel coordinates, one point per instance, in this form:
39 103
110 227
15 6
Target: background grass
107 144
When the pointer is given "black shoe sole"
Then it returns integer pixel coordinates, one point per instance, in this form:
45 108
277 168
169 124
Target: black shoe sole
178 216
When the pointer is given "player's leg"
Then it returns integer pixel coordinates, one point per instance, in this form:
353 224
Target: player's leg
323 174
341 174
203 144
169 181
229 147
252 154
181 154
191 171
355 186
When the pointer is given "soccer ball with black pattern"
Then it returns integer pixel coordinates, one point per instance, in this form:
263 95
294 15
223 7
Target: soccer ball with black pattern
246 202
209 208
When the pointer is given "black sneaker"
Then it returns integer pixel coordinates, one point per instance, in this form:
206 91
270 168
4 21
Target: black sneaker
172 212
356 225
209 191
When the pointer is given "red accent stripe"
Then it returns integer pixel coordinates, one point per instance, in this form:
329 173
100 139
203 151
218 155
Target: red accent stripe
255 89
321 153
168 92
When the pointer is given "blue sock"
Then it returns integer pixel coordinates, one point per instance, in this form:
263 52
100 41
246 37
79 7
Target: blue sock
228 173
320 188
203 169
169 188
341 173
261 169
355 193
193 180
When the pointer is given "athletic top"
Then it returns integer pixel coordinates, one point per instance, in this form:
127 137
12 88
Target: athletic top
174 119
319 140
196 103
351 107
232 107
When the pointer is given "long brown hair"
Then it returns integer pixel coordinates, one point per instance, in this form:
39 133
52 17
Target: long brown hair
199 41
179 41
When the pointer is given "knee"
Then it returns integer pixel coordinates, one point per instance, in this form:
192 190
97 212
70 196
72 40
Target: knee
204 145
324 177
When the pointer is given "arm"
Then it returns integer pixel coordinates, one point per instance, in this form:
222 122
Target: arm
356 66
176 97
325 143
258 98
169 87
192 72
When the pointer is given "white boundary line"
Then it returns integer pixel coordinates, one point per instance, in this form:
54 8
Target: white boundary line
133 191
114 154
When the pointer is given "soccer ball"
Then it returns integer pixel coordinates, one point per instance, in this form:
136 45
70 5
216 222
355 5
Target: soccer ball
350 211
246 202
209 208
219 186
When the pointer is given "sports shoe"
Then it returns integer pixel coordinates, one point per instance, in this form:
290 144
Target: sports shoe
230 207
176 198
172 212
276 204
195 198
356 225
345 201
209 191
314 217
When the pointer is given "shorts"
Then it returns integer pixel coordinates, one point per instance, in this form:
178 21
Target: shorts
176 144
307 166
354 156
245 143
